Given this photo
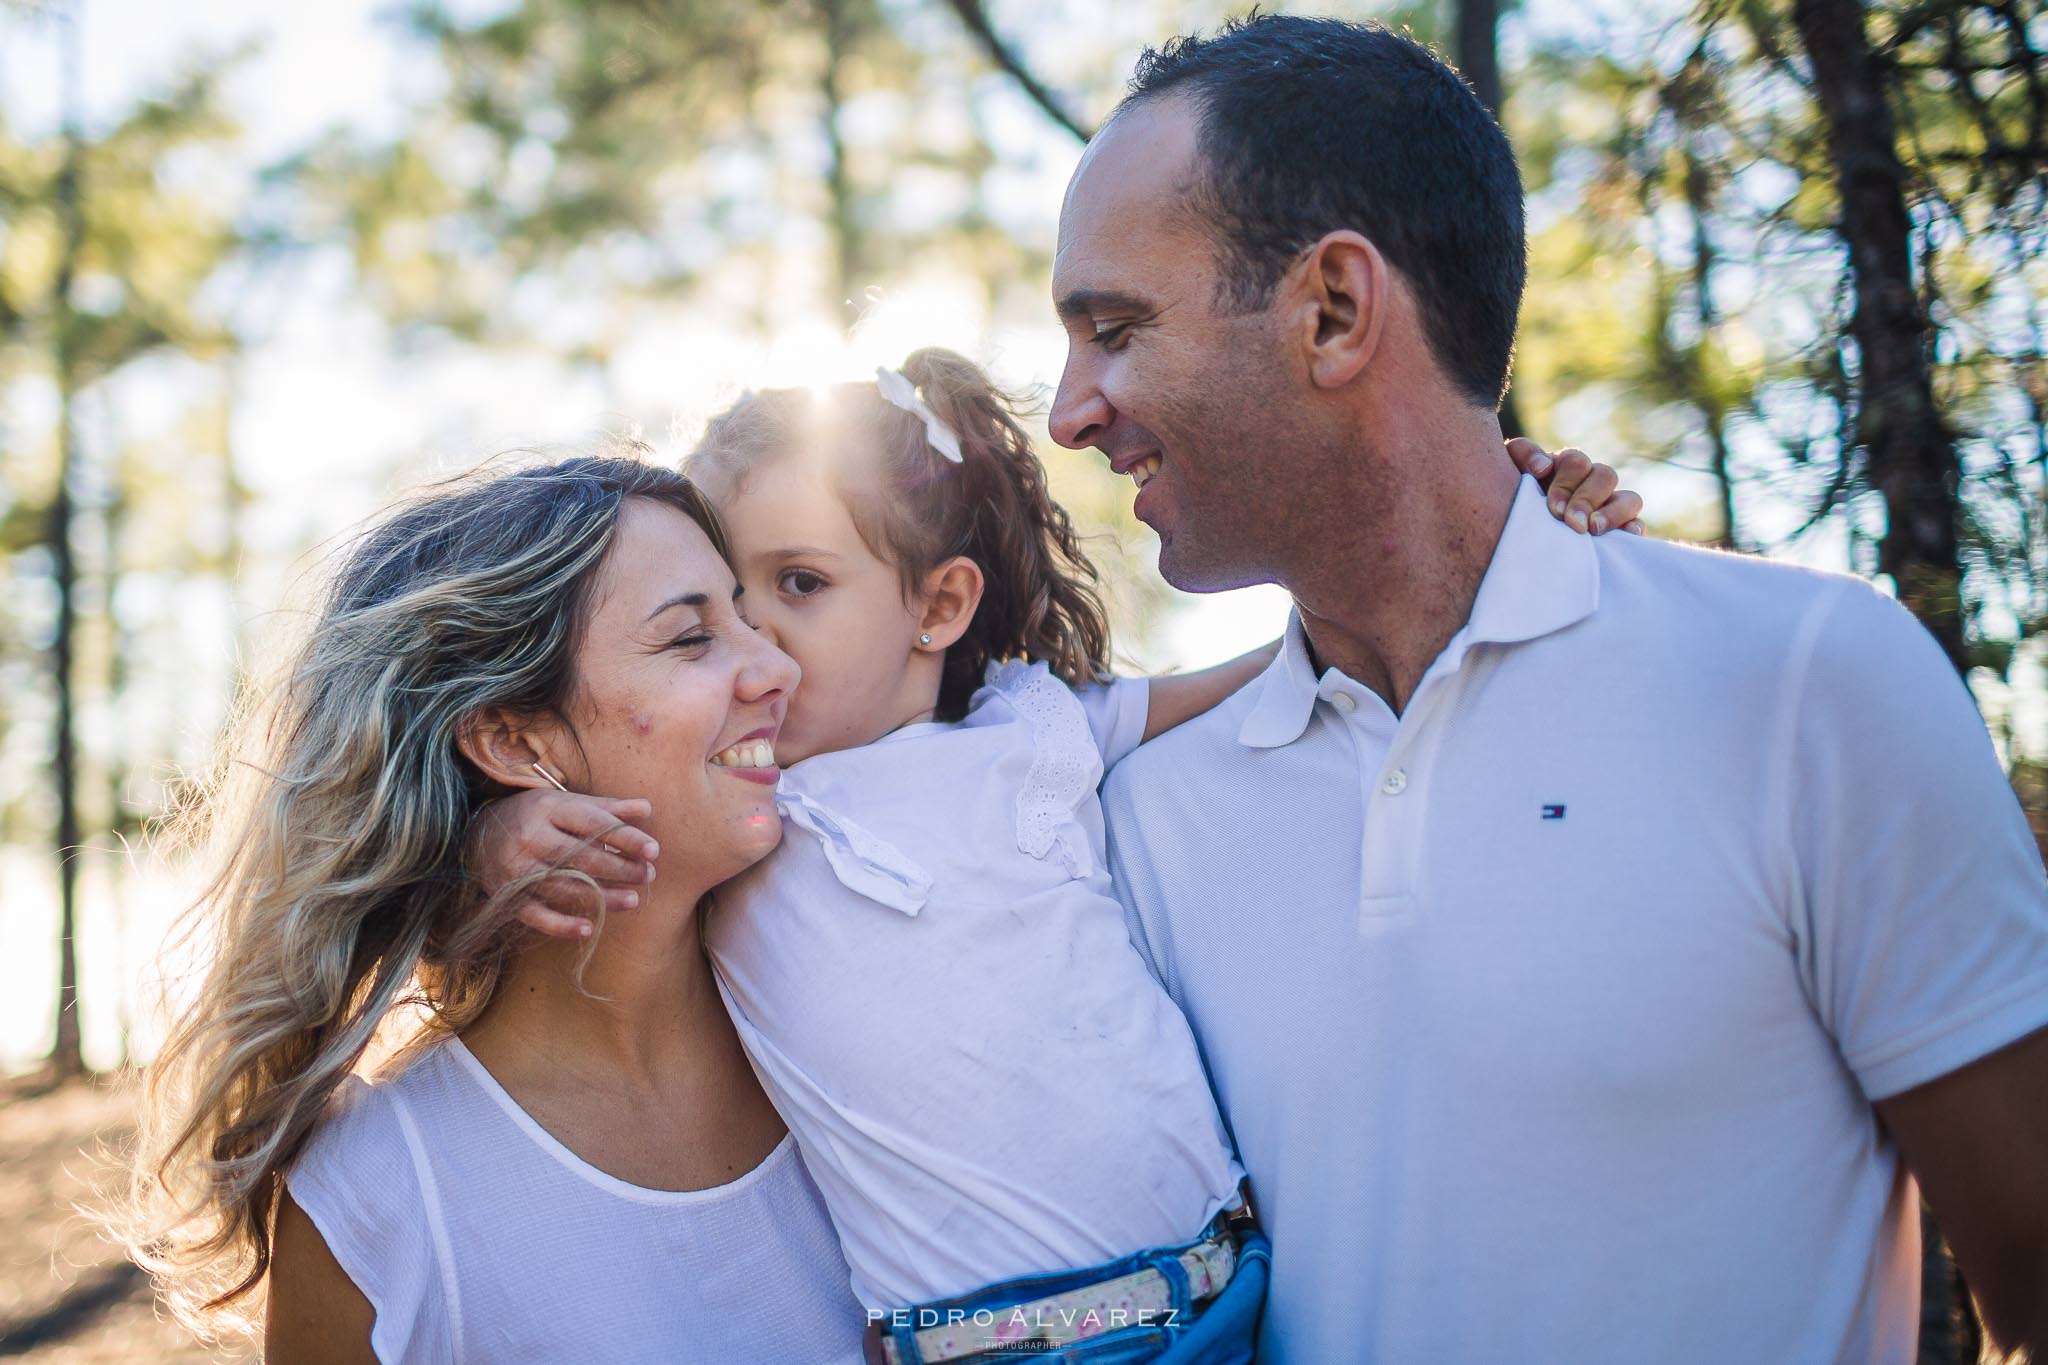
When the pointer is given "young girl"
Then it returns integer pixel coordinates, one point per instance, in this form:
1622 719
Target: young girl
931 975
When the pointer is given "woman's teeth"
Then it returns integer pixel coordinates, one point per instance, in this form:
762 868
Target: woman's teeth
1143 470
748 753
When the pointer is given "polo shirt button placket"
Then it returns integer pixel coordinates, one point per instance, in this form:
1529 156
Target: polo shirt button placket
1396 782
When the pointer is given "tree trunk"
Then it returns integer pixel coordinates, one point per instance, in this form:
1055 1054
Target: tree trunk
67 1058
122 741
1698 199
1910 452
1477 50
842 216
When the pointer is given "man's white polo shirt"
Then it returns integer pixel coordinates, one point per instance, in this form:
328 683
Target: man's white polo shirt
1548 1016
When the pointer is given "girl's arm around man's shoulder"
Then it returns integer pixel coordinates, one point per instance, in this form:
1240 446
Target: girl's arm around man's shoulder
1180 697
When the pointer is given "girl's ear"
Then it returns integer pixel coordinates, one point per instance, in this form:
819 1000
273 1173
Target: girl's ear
952 592
507 747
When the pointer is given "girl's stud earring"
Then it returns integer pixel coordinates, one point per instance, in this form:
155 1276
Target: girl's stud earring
924 639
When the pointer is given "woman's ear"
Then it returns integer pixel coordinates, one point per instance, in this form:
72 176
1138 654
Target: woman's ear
952 592
508 748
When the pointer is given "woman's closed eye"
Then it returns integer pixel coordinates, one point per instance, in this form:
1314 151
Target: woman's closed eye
799 582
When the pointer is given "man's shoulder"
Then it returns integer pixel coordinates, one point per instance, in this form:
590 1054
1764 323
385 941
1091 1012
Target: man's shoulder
1168 761
1806 636
1725 599
1632 565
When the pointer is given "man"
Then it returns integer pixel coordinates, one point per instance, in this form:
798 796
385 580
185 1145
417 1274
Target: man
1580 933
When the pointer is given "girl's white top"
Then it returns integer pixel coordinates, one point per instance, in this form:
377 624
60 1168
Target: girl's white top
935 983
478 1237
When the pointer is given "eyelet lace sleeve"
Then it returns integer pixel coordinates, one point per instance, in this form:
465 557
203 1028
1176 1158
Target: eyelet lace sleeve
1065 765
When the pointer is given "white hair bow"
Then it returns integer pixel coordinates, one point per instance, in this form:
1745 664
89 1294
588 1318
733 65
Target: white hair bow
897 388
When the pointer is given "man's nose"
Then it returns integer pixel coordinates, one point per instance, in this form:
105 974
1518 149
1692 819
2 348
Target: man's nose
1080 414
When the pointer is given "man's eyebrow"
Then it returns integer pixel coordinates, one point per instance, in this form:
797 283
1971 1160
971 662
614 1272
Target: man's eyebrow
699 600
1083 303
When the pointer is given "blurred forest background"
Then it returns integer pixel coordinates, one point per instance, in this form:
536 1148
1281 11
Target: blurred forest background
261 267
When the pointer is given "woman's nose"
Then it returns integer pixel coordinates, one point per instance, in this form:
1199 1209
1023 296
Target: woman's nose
768 672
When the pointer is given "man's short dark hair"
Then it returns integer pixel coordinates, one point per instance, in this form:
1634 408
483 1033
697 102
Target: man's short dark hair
1311 126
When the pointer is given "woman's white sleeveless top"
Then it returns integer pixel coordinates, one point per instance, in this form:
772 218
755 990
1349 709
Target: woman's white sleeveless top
477 1237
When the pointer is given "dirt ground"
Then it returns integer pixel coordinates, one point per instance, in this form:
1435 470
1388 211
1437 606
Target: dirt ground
67 1296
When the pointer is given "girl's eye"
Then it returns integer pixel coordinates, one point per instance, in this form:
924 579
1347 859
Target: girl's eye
800 582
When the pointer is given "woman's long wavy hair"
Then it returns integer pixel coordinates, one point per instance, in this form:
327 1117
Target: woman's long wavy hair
337 820
916 511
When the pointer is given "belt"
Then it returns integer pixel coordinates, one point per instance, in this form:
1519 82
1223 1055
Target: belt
946 1333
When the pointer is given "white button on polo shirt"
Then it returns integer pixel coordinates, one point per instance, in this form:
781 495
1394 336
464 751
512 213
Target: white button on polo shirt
1396 783
1469 1063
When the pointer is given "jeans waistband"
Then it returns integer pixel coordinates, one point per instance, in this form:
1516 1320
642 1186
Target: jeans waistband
1153 1287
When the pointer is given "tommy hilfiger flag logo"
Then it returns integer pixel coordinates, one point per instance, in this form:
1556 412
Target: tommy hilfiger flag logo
1553 812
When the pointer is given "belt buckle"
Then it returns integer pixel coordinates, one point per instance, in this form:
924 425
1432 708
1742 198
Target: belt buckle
1245 1217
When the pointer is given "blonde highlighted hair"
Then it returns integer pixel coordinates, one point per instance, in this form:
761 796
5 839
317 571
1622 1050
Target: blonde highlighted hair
916 510
337 819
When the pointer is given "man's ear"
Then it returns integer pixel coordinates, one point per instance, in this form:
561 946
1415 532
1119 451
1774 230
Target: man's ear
505 746
1345 288
952 593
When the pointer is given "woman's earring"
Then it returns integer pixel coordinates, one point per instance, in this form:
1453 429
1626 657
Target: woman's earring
924 639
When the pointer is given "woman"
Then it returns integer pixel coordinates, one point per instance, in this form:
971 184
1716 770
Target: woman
577 1162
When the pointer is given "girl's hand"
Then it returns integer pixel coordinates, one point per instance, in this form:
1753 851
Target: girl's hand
551 832
1582 494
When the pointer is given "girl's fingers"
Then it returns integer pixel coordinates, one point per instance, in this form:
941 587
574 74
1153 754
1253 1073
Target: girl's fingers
587 818
1620 510
553 923
1529 457
571 896
1572 468
1594 491
599 863
561 907
567 896
1637 527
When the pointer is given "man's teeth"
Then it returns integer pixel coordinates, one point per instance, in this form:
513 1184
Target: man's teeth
748 753
1143 470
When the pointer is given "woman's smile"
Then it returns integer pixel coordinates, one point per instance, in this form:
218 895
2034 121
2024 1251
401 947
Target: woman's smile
751 757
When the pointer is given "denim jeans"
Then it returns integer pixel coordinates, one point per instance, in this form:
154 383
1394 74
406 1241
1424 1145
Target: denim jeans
1220 1331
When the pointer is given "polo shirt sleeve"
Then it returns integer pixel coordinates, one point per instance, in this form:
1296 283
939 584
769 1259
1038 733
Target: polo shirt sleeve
1921 910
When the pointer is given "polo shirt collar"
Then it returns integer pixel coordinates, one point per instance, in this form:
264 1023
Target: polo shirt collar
1286 693
1543 577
